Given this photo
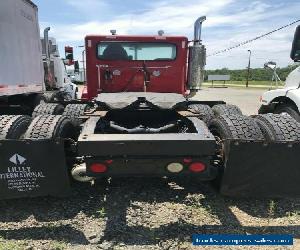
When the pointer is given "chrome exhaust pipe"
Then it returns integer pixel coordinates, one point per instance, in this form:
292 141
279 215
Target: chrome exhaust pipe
79 173
197 29
197 59
46 42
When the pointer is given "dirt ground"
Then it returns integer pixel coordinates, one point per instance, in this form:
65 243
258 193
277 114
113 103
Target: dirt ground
146 213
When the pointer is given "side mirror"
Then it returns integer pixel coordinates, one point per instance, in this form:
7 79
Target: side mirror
69 55
76 67
295 53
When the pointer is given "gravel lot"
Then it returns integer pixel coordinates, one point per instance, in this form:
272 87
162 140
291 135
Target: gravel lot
145 213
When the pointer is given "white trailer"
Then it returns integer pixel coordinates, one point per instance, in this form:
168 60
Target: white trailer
21 68
31 69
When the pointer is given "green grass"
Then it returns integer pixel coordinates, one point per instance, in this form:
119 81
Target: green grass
11 245
58 245
101 213
252 84
20 245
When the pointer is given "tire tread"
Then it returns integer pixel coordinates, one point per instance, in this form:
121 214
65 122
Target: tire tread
279 127
226 109
239 127
48 109
204 111
13 126
46 127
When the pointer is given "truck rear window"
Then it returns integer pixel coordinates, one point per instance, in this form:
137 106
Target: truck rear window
136 51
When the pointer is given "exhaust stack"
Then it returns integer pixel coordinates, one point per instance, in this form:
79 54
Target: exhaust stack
197 58
46 42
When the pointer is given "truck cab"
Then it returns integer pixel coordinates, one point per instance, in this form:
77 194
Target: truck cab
136 64
56 77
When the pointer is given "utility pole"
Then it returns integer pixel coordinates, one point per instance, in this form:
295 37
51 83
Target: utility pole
248 71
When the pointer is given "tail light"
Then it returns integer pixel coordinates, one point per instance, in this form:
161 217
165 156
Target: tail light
98 168
197 167
175 167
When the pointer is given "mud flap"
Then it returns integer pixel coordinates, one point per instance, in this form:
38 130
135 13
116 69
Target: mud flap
30 168
257 169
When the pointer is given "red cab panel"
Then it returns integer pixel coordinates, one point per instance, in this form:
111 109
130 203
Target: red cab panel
136 64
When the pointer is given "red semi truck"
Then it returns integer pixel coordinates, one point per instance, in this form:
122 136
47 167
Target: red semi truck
139 121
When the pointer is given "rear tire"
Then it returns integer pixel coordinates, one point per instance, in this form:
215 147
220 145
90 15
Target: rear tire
74 111
48 109
279 127
236 127
13 126
284 108
226 109
204 111
225 128
51 127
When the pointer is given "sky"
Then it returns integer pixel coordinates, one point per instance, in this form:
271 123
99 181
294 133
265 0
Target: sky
228 23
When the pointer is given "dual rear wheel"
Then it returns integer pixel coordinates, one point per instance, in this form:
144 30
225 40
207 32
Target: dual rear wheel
48 121
207 114
228 122
72 111
265 128
41 127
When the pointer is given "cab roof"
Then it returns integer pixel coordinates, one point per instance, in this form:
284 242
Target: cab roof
136 37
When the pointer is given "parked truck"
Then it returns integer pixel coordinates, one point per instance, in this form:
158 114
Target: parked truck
286 99
138 121
30 70
57 81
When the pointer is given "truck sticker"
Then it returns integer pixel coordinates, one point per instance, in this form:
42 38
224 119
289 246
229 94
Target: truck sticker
17 159
19 176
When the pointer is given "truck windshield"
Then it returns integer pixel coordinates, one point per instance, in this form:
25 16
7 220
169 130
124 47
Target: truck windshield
137 51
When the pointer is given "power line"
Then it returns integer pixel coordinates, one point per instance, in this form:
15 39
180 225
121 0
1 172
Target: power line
253 39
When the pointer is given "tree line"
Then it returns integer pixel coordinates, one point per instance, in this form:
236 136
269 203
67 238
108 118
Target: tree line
257 74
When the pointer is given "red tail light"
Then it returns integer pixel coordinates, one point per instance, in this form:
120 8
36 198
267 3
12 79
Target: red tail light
197 167
108 162
98 168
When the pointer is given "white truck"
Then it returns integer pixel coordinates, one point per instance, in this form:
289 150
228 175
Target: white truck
24 64
286 99
58 83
